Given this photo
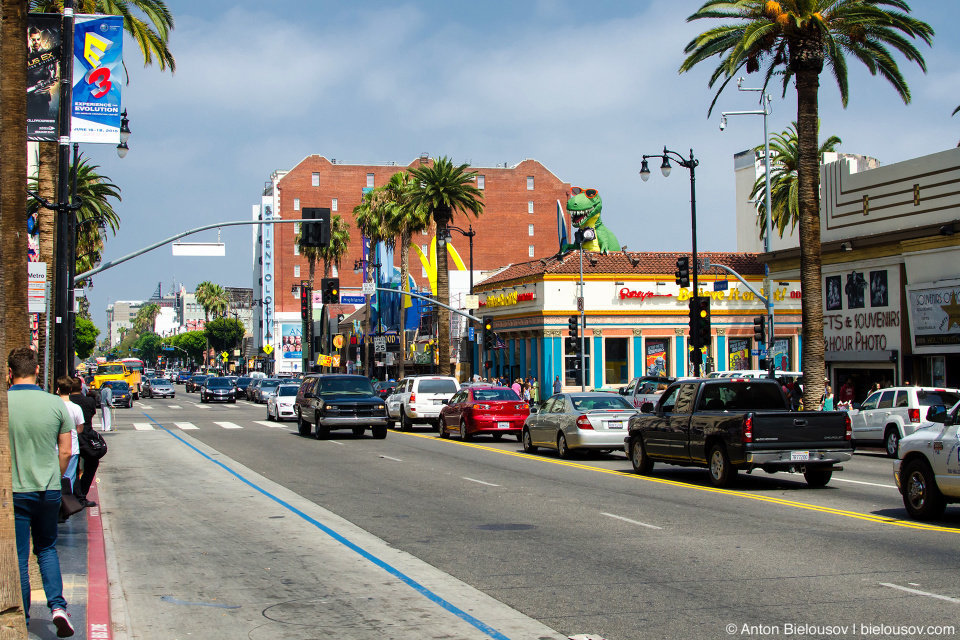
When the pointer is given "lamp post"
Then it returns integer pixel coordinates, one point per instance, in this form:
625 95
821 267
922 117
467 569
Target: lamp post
765 111
468 234
583 235
691 164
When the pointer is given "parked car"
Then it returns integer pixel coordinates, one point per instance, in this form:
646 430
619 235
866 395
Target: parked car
265 389
926 473
483 410
195 383
122 394
251 390
729 424
569 422
280 405
218 389
241 384
385 389
647 389
158 388
889 415
421 398
339 401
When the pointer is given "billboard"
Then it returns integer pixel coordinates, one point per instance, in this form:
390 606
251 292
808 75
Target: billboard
934 309
43 76
97 63
740 354
291 341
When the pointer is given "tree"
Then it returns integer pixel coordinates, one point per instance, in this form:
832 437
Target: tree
224 333
84 337
369 217
148 347
146 318
795 40
784 155
441 190
190 343
403 219
333 253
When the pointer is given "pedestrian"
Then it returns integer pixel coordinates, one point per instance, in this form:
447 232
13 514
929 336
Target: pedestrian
535 392
827 404
106 407
526 392
90 463
64 389
557 386
846 395
517 388
39 429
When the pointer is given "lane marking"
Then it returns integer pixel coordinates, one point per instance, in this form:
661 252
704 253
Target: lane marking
872 484
174 406
869 517
642 524
419 588
143 426
199 406
341 444
920 593
228 425
272 425
186 425
144 406
489 484
389 458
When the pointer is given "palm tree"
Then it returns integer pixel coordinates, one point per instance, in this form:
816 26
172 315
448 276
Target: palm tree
333 253
146 318
784 155
369 217
441 190
403 220
795 40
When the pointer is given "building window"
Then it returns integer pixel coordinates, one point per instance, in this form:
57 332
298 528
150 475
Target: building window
296 249
423 272
529 183
424 232
570 366
423 248
530 251
529 206
333 205
296 204
296 271
334 271
370 180
529 229
481 182
315 179
296 228
615 361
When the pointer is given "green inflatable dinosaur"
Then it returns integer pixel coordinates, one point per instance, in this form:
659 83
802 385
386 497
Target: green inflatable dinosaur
584 209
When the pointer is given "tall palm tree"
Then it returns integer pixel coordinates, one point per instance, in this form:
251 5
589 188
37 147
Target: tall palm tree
442 189
403 219
369 217
218 301
795 40
784 156
333 253
146 318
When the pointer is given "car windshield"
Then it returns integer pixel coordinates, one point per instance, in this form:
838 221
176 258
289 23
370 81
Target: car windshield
437 386
110 370
494 394
219 383
160 381
939 396
243 380
359 386
287 390
119 386
269 384
199 378
590 403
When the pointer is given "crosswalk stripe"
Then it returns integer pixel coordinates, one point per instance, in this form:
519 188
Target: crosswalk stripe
228 425
174 406
200 406
143 426
272 425
186 425
146 406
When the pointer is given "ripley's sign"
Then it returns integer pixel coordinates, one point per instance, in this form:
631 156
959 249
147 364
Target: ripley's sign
506 299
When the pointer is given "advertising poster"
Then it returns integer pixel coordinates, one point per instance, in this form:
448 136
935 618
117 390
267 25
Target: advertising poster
97 78
935 317
43 76
781 355
740 354
290 345
656 357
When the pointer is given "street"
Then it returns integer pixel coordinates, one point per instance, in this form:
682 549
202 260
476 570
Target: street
582 546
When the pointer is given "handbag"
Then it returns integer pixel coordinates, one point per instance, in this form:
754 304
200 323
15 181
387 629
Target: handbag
69 504
92 444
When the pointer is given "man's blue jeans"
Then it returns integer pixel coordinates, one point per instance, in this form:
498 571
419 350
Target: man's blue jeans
36 513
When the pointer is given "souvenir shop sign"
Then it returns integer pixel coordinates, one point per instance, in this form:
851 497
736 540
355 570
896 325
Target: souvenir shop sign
507 299
935 316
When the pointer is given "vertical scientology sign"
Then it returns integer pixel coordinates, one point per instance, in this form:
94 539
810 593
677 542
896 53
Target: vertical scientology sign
266 275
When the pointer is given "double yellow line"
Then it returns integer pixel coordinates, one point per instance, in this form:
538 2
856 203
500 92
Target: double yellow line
910 524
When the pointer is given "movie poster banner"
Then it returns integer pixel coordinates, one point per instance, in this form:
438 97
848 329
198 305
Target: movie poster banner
291 345
43 76
934 310
740 354
97 78
656 357
781 354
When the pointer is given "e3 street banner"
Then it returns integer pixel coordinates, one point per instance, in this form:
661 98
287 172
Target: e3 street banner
43 75
97 59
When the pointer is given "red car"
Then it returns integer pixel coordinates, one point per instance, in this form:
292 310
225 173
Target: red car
479 410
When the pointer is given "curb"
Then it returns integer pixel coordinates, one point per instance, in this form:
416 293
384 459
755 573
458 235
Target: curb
98 590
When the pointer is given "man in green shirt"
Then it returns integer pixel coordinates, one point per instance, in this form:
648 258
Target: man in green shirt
39 434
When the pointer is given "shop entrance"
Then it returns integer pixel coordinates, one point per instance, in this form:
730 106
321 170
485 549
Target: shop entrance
863 379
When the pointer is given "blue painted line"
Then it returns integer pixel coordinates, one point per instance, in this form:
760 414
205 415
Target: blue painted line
422 590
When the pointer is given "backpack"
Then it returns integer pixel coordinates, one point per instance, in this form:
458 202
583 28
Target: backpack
92 444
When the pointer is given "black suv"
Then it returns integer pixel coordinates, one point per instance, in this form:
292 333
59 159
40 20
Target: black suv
334 401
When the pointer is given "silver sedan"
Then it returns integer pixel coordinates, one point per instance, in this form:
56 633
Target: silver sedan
569 422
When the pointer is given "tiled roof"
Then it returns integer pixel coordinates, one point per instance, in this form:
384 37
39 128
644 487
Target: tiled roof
619 263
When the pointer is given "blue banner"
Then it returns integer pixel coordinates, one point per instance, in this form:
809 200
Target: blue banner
97 64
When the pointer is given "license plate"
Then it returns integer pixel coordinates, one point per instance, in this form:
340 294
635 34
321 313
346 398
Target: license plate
503 425
438 402
799 456
615 424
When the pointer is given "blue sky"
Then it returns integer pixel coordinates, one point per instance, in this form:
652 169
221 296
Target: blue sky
585 88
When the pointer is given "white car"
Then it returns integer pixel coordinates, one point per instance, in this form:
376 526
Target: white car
420 399
280 404
889 415
928 471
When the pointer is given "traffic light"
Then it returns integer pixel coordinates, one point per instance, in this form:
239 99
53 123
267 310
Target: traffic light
703 320
330 290
695 341
683 271
315 234
306 299
489 337
573 335
760 329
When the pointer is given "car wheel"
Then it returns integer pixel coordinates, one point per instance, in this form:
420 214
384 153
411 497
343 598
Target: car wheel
323 430
464 434
233 401
498 436
527 441
563 450
921 496
404 421
638 457
818 476
444 432
391 424
722 474
891 441
269 417
358 431
303 427
436 424
379 432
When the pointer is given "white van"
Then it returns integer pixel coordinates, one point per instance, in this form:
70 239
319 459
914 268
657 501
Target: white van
420 399
256 374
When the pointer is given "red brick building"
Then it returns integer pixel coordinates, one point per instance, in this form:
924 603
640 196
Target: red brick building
519 219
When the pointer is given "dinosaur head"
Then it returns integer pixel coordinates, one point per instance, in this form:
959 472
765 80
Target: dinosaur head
584 207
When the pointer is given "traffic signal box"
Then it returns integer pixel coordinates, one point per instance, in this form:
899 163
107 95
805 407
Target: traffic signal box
330 290
683 271
760 330
489 337
573 335
315 234
306 299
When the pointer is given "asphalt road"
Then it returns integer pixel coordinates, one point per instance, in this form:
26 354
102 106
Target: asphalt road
587 547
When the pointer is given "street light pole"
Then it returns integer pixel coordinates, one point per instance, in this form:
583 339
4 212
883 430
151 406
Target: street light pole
469 234
585 234
665 168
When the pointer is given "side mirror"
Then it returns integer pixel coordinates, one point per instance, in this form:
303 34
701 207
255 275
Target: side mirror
937 413
855 406
446 401
309 395
534 408
646 407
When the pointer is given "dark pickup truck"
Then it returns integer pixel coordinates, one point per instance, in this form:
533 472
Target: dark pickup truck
728 424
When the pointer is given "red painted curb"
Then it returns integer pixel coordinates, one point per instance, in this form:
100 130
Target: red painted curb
98 588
